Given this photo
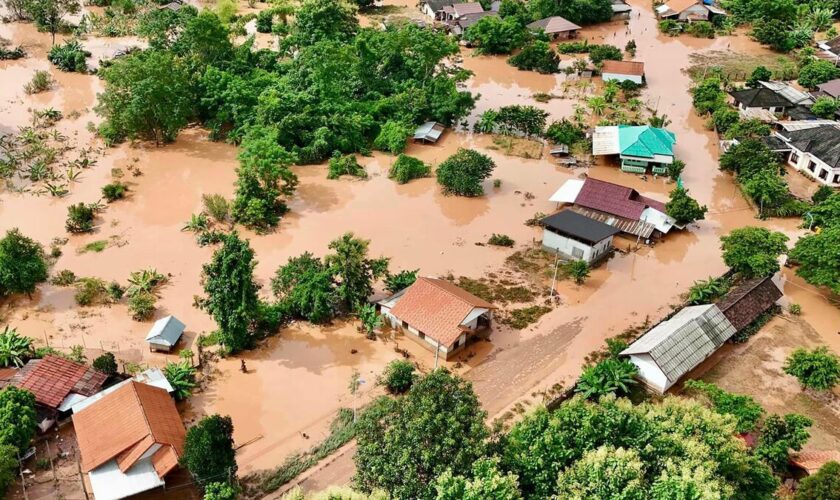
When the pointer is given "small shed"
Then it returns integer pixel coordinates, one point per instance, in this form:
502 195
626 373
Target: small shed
622 71
429 132
165 333
576 236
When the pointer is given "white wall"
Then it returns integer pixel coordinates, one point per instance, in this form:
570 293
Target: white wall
649 372
696 11
803 163
620 78
566 245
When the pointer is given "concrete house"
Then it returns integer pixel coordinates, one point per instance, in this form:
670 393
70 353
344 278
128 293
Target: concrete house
620 71
438 314
556 27
688 10
435 8
638 147
165 334
130 440
459 26
676 346
815 151
576 236
772 98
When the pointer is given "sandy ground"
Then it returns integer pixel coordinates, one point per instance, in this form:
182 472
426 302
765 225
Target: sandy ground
298 380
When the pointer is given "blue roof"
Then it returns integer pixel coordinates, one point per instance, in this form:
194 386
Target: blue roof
645 141
166 331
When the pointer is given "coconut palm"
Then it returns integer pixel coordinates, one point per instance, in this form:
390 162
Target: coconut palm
14 348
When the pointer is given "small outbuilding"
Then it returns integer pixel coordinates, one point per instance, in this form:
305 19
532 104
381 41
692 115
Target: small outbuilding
623 71
165 334
576 236
429 132
556 27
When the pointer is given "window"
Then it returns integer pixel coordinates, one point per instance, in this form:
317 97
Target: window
405 324
421 335
823 174
812 166
577 253
794 158
837 178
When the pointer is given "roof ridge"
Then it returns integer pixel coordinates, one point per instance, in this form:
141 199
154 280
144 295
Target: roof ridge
142 408
434 282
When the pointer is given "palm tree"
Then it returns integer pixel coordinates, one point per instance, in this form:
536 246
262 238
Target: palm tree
14 348
145 281
597 105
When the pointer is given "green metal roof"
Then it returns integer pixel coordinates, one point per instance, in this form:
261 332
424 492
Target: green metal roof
645 142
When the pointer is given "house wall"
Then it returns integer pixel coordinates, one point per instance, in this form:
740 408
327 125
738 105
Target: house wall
694 12
618 77
425 9
746 109
566 246
815 167
650 373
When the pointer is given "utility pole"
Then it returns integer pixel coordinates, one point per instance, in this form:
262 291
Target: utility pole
554 279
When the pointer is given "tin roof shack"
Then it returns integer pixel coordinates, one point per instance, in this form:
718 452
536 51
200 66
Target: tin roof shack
438 314
748 300
165 334
575 236
676 346
623 71
815 152
618 206
429 132
829 50
129 440
638 147
57 384
556 27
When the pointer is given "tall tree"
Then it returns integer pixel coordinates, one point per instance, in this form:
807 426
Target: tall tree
231 292
818 258
462 174
305 286
354 272
753 251
209 454
22 264
684 208
49 14
487 482
17 417
318 20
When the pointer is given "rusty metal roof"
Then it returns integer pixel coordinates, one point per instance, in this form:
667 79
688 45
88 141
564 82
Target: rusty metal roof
52 378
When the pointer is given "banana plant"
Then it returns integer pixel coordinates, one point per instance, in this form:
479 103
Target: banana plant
14 348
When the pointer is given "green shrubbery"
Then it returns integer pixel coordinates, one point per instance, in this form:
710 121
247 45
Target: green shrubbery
463 173
345 165
69 57
407 168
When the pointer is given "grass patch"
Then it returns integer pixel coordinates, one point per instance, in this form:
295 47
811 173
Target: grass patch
498 291
738 66
521 318
518 146
94 246
342 430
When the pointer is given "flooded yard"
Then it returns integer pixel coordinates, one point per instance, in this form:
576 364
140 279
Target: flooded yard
296 381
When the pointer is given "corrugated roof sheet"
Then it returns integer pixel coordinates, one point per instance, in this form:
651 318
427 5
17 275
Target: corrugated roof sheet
749 300
831 87
579 226
822 142
462 9
615 199
437 308
681 343
789 92
645 141
166 331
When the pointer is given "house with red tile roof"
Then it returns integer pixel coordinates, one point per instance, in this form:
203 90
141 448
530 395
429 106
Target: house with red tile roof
439 315
129 440
57 384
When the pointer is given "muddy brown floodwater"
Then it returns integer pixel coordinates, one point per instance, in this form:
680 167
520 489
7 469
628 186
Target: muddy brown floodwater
298 380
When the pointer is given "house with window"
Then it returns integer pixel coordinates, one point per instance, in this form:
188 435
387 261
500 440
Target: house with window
459 26
689 10
770 99
577 237
129 440
640 147
556 27
437 314
618 206
815 151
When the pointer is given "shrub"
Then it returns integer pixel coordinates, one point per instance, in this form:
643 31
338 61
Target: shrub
601 53
463 173
208 449
15 349
795 309
683 208
500 240
79 218
564 132
22 263
537 56
18 417
825 484
69 57
825 107
41 82
105 363
65 277
753 251
115 291
610 376
578 270
265 20
398 376
576 47
89 291
217 206
220 491
817 72
392 137
141 306
701 29
818 369
114 191
407 168
670 27
345 165
705 292
11 54
403 279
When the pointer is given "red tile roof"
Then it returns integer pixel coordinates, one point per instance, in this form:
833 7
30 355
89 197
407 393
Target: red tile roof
615 199
746 302
624 67
51 379
124 424
437 308
812 461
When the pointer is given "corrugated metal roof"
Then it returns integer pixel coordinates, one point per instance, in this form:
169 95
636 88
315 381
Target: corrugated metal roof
615 199
605 141
568 192
790 93
636 68
166 331
429 131
803 124
579 226
467 8
645 142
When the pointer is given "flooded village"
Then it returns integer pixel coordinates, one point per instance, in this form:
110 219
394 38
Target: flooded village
563 277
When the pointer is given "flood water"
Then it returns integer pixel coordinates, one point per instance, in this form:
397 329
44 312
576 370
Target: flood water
297 380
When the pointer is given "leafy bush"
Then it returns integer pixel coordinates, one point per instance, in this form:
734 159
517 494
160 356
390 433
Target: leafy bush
265 20
106 363
141 306
684 208
520 120
220 490
370 318
670 27
217 206
824 484
15 349
80 218
494 35
825 107
500 240
746 410
208 449
463 173
182 378
345 165
41 82
89 291
795 309
578 270
753 251
818 369
706 292
601 53
22 263
11 54
407 168
610 376
701 29
575 47
18 418
403 279
69 57
398 376
537 56
65 277
817 72
708 96
564 132
114 191
392 137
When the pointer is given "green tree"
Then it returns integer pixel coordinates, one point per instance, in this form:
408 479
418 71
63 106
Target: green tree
354 272
18 420
579 271
751 128
147 95
8 467
15 349
778 436
818 258
106 363
49 14
209 454
683 208
318 20
753 251
610 376
817 72
392 137
407 168
724 118
745 409
606 472
181 376
219 491
370 318
822 194
601 53
398 376
394 449
305 286
231 292
537 56
487 482
495 35
564 132
205 40
818 369
825 107
748 158
768 189
520 120
463 173
708 96
824 485
22 264
759 74
403 279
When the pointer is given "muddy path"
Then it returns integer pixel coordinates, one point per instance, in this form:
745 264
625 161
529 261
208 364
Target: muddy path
298 380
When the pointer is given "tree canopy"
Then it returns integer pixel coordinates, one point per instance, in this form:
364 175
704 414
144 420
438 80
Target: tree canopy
684 208
753 251
18 420
463 173
818 258
22 263
209 454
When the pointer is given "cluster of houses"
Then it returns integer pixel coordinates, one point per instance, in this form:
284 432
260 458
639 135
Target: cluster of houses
807 143
689 10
